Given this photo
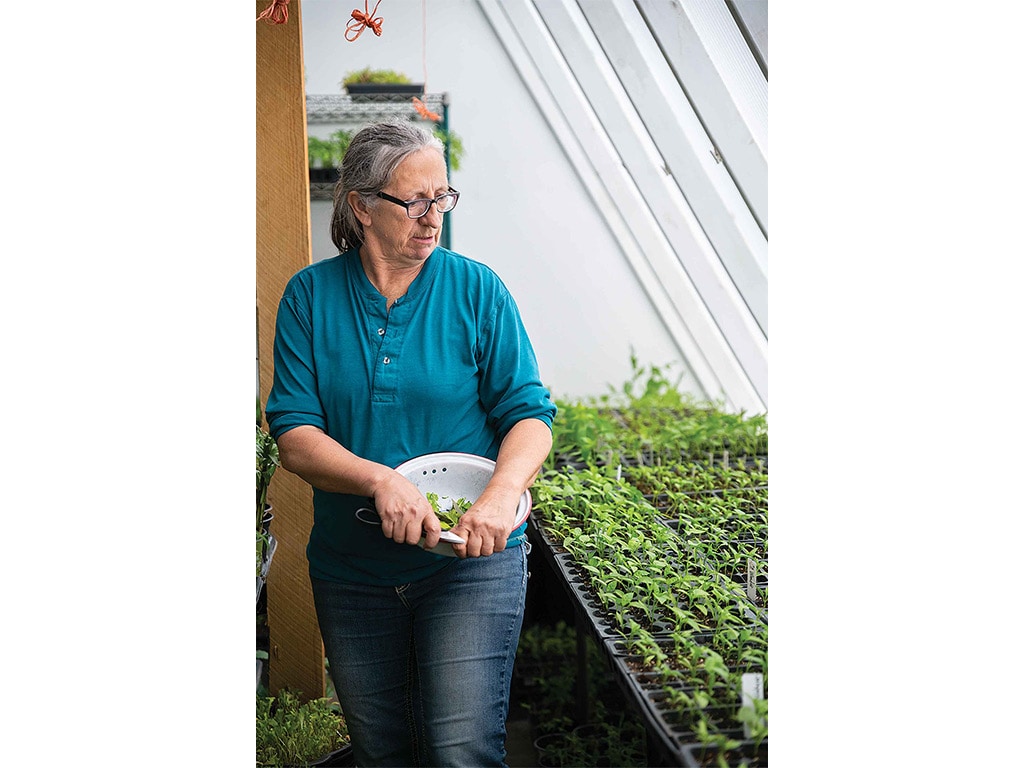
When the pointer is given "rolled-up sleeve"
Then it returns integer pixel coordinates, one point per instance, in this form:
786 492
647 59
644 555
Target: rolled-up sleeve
510 385
294 399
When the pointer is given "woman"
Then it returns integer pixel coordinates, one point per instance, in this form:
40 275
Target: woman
394 349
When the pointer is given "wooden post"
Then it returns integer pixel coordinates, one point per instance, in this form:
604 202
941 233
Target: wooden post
283 246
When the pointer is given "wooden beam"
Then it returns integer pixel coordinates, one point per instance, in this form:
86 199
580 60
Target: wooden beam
283 246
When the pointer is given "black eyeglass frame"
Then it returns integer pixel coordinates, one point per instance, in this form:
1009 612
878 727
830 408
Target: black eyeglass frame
405 204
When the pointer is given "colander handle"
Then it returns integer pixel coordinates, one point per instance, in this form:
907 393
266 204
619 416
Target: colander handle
369 515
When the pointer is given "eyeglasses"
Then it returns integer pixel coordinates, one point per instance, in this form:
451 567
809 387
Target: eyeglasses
417 208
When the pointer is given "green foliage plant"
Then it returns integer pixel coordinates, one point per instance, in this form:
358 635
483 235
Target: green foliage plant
329 152
661 501
375 76
610 736
545 661
454 144
614 742
648 420
292 733
449 517
320 152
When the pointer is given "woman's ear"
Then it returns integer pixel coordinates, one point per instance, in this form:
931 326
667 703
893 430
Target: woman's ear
359 208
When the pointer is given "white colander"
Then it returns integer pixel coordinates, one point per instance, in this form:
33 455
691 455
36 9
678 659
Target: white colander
452 476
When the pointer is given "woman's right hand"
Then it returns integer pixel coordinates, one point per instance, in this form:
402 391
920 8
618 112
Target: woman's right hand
405 514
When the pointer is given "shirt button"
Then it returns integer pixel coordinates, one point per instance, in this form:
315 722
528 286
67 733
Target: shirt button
387 360
380 331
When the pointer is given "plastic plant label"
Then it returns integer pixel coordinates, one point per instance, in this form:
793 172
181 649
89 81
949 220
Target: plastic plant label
752 579
752 687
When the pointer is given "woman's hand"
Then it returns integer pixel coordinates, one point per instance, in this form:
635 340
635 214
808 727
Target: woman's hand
405 514
486 525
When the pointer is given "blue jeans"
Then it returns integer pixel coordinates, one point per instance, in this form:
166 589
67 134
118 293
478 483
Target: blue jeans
423 670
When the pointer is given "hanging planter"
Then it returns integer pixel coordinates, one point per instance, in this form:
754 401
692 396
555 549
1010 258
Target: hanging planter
380 85
383 91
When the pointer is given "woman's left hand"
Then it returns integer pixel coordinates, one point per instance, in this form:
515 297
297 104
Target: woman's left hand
486 525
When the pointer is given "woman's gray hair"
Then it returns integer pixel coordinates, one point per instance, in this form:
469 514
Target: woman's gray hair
372 157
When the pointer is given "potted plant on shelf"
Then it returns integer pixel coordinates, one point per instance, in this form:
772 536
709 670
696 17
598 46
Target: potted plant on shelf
321 162
379 84
325 156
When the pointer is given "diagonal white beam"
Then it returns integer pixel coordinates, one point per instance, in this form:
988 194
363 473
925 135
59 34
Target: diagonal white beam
594 157
690 154
647 168
722 80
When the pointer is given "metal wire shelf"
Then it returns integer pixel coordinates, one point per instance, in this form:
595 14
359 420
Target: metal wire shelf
343 108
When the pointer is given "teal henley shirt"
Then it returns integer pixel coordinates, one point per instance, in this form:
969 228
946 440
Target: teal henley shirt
449 368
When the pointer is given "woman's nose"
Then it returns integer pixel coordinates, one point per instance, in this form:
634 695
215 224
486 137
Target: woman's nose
433 217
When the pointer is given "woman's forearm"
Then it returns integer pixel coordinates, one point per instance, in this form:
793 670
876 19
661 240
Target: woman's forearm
326 464
521 457
487 524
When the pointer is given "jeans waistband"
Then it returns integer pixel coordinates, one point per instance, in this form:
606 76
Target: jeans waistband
515 541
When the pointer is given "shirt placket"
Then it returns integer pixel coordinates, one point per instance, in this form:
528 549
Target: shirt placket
389 330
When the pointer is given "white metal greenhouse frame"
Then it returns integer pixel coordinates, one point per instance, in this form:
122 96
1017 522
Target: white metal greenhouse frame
663 109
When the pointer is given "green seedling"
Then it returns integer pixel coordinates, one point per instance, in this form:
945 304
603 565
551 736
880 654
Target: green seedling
449 517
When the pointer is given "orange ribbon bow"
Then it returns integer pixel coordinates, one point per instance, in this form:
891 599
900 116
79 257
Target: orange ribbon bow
361 21
424 112
275 13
